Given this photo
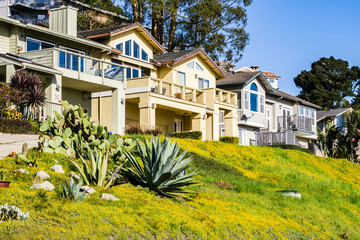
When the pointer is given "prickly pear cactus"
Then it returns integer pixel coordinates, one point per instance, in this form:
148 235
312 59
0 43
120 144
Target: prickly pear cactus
74 134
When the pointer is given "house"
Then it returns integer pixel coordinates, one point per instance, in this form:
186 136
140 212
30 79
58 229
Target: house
332 115
71 68
267 115
174 91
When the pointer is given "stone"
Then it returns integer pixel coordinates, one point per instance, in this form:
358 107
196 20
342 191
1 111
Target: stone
291 193
87 189
25 148
109 197
21 171
73 175
57 169
44 185
41 175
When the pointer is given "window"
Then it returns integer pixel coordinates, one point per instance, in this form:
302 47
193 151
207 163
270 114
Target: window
203 83
190 65
128 48
253 87
70 61
246 98
271 80
239 100
254 98
132 72
120 46
198 67
135 73
301 111
144 55
136 50
34 44
181 78
128 72
178 125
262 104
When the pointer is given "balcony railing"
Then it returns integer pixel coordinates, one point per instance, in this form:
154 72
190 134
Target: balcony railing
273 138
251 118
295 122
166 88
63 59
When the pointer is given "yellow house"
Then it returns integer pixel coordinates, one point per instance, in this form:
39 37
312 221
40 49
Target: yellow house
173 91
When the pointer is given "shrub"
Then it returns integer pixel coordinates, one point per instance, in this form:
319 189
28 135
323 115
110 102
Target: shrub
19 126
135 128
8 98
36 125
71 191
11 212
189 135
227 139
161 169
291 147
224 185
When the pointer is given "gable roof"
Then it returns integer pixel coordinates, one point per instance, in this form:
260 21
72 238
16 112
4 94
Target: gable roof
270 74
114 30
295 99
331 113
243 78
177 57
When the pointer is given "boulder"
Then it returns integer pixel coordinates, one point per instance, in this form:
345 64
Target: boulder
21 171
57 168
87 189
44 185
41 175
73 175
109 197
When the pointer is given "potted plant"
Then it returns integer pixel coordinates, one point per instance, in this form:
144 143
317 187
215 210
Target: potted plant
3 175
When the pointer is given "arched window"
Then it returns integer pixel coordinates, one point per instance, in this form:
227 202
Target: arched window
253 87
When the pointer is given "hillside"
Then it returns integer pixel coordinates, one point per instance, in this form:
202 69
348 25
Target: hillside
244 205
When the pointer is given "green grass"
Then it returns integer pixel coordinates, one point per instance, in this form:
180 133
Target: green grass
252 209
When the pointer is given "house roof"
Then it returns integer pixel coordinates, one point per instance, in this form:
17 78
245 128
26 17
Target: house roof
331 113
177 57
270 74
295 99
114 30
241 78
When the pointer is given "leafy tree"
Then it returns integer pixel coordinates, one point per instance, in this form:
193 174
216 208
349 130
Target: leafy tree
328 82
217 26
326 140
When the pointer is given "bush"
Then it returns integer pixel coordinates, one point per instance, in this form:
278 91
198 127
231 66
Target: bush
135 129
36 125
19 126
8 98
291 147
226 139
189 135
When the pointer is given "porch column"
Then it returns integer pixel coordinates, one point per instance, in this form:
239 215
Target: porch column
53 89
147 117
216 123
118 111
10 70
230 120
198 123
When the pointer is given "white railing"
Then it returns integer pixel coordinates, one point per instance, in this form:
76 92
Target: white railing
272 138
48 111
295 122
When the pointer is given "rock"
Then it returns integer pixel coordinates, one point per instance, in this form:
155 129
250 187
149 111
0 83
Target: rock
21 171
73 175
291 193
44 185
57 168
41 175
25 148
87 189
110 197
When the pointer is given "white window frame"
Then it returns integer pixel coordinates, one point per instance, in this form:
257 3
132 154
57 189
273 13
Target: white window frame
262 104
132 50
34 39
246 100
61 47
184 78
203 80
131 71
257 98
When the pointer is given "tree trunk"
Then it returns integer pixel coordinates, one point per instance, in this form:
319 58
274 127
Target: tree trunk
173 19
158 20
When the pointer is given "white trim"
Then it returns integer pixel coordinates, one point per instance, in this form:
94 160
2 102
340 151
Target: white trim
137 90
31 38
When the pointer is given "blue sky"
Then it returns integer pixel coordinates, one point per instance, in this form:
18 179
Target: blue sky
286 36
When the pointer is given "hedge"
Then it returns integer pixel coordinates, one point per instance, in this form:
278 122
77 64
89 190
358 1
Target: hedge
18 126
189 135
291 147
227 139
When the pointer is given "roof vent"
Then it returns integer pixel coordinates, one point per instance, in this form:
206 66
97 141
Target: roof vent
253 67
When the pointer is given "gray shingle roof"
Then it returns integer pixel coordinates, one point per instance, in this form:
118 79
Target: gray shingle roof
331 113
235 78
109 30
295 99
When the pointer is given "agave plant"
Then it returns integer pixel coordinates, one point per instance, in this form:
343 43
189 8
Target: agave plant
96 173
161 168
71 191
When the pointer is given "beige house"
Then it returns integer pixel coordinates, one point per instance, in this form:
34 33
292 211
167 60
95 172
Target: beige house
71 68
332 115
267 115
172 91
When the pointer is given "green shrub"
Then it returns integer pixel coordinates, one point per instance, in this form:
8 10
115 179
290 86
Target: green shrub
189 135
227 139
35 125
136 129
71 191
291 147
17 126
161 169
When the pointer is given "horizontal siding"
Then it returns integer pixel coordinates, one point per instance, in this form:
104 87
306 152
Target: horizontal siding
4 38
41 57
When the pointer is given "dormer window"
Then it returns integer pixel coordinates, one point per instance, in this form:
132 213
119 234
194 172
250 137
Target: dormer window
190 65
199 68
136 50
133 49
144 55
195 65
128 48
120 46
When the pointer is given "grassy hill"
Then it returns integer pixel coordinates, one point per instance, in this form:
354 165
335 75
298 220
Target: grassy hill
237 200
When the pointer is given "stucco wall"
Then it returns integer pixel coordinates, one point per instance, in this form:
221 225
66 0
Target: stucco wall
105 110
76 97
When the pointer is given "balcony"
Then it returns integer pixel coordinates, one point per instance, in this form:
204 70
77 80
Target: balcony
296 123
165 88
253 119
274 138
78 66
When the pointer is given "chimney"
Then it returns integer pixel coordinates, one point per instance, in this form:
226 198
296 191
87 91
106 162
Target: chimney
255 68
63 20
